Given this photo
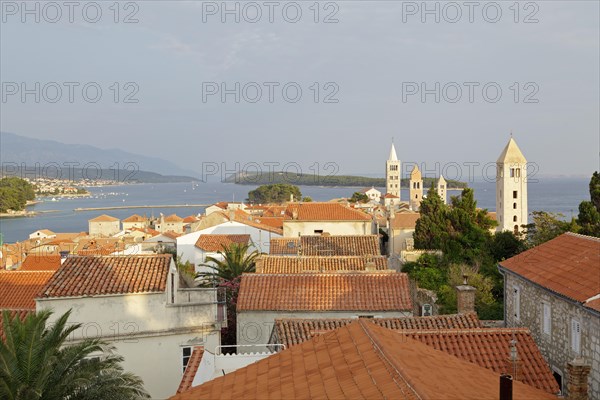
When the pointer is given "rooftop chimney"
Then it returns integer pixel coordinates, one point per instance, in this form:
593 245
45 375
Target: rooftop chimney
465 297
506 387
577 379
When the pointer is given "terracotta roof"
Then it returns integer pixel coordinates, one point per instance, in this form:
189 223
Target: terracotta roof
593 304
405 220
222 204
89 276
173 218
171 234
214 243
21 314
45 232
325 292
346 245
18 289
41 262
292 331
135 218
147 230
323 212
190 370
568 265
104 218
360 360
492 215
190 219
390 196
295 265
250 220
490 348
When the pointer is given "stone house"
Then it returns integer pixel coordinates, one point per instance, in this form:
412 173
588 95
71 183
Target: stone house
372 193
104 226
554 290
333 218
135 221
263 298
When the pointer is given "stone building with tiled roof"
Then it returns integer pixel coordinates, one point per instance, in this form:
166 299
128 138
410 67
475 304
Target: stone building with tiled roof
103 226
331 218
135 302
267 264
264 297
320 245
554 290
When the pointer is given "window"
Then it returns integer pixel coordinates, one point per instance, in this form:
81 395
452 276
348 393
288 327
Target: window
575 336
515 218
186 354
512 172
516 229
517 303
515 206
546 318
514 194
416 196
518 172
318 231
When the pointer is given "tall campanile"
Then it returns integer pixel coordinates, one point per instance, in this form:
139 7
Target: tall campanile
511 188
392 173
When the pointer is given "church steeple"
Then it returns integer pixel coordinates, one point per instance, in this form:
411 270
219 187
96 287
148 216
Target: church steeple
393 156
392 173
511 188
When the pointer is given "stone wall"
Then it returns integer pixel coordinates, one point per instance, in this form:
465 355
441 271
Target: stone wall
556 347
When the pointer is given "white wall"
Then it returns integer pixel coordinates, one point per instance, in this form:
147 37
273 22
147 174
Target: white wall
291 228
146 330
255 327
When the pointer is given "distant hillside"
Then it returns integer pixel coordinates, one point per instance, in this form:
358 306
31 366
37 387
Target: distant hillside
20 149
253 178
78 174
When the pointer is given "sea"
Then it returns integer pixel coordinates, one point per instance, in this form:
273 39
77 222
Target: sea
558 195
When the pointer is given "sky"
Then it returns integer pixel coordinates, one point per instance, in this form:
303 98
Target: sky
320 86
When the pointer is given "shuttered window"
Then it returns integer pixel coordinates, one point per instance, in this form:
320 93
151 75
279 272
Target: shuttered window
516 303
575 336
546 318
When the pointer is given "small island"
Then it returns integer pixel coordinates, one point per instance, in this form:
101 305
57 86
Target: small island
257 178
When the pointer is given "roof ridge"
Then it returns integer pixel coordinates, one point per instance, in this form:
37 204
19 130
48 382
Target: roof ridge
579 235
446 331
385 357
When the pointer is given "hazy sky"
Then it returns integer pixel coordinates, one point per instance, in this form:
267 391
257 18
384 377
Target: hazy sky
376 60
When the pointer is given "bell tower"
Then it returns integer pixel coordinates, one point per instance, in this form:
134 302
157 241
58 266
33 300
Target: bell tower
392 173
416 189
511 188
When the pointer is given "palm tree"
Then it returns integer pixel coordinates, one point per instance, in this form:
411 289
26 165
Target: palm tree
226 272
35 363
232 262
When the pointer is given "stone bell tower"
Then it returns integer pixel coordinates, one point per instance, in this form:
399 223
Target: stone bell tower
392 173
511 188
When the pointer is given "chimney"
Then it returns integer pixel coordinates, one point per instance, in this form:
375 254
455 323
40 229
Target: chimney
506 387
465 297
295 214
577 379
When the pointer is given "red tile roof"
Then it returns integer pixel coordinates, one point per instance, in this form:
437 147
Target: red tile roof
190 219
490 348
292 331
171 234
173 218
272 224
296 265
214 243
89 276
378 291
190 370
21 314
135 218
343 245
41 262
568 265
405 220
18 289
360 360
324 212
104 218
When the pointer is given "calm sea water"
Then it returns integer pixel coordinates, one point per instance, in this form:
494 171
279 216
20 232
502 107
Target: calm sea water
552 195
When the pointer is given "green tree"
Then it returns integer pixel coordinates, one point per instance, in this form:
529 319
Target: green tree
14 193
358 197
36 363
589 211
307 199
431 230
546 226
276 193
